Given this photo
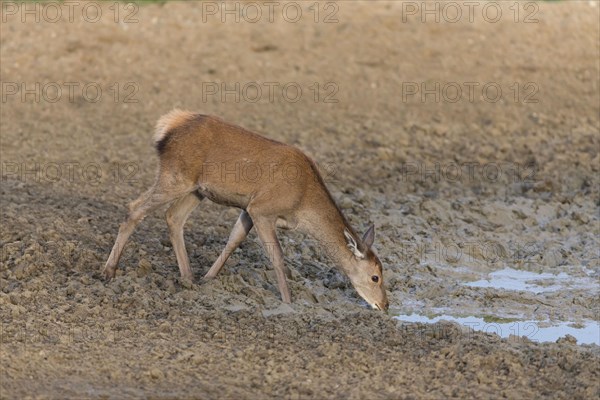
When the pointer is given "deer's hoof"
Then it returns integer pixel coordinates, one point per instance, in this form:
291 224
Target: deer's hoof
109 273
187 282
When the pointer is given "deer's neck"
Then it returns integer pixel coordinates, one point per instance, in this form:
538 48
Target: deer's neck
324 221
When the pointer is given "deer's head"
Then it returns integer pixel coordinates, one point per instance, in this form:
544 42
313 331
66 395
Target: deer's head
365 270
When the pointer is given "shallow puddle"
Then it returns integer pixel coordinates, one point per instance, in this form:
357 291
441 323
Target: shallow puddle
512 279
586 332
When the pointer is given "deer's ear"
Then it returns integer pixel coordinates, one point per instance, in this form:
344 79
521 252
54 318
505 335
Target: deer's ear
369 237
352 245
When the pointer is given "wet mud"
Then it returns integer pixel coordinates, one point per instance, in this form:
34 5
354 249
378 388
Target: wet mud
460 192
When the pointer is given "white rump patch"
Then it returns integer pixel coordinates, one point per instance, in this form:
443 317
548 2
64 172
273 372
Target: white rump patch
169 121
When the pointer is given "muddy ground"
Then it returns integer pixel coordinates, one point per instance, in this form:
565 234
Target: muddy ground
458 186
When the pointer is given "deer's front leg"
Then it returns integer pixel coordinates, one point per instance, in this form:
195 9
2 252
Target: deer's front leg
268 236
238 234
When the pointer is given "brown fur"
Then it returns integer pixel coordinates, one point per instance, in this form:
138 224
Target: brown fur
275 184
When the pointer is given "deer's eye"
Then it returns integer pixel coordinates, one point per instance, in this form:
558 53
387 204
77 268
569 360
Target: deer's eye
375 278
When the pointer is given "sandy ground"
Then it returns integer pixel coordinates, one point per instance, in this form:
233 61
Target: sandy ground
458 186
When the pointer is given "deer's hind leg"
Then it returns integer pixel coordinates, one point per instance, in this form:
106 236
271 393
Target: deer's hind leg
176 216
164 191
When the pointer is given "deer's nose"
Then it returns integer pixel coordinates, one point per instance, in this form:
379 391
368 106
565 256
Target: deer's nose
383 306
386 305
